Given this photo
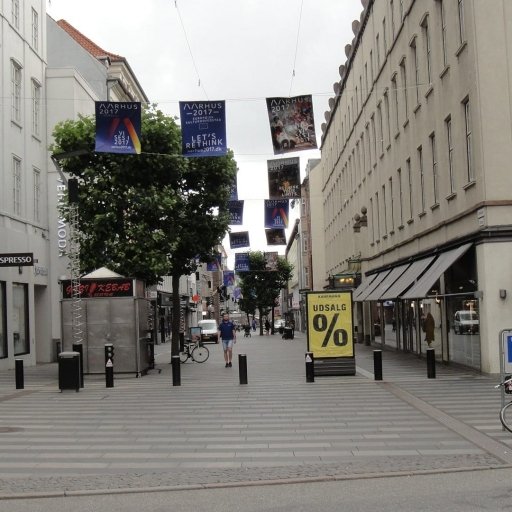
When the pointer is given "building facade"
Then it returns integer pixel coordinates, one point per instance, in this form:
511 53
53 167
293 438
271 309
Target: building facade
415 182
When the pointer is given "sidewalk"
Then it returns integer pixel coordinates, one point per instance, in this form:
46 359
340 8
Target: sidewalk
146 433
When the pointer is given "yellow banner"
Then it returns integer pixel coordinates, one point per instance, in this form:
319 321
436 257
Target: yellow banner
330 324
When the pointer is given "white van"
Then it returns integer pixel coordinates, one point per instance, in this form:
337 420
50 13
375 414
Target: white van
466 321
209 330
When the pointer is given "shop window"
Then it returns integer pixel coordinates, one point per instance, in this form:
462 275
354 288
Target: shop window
3 323
20 319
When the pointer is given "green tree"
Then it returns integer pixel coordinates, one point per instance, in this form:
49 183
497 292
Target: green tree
261 287
147 215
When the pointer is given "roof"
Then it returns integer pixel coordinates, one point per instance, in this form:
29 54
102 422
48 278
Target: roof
86 43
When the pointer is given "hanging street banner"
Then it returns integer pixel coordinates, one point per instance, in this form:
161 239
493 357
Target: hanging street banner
236 212
330 324
118 127
233 195
239 240
229 277
284 178
292 124
271 260
276 213
275 236
215 264
203 128
242 263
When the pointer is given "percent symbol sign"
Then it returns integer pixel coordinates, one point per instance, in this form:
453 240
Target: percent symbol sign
321 324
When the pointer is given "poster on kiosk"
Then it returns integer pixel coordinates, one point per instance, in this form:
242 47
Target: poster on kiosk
330 332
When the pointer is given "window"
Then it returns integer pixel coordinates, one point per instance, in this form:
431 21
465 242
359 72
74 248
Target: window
361 89
35 29
428 50
449 143
462 27
15 13
36 107
374 136
392 203
422 178
394 88
15 91
377 47
469 149
414 52
372 217
381 128
384 208
3 322
366 78
387 114
403 72
442 16
377 213
401 7
371 68
16 185
384 42
368 145
409 179
37 194
392 9
363 155
435 180
400 196
20 318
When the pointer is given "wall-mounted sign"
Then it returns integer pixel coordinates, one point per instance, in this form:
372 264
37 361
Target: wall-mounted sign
17 259
95 288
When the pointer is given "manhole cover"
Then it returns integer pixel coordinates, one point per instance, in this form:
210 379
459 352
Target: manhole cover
6 430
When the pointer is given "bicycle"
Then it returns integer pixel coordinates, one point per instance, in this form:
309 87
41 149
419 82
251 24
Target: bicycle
198 353
506 410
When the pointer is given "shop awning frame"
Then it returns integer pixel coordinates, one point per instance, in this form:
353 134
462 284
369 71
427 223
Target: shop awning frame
386 283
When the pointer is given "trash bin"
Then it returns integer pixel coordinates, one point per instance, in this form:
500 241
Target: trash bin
69 370
376 329
288 333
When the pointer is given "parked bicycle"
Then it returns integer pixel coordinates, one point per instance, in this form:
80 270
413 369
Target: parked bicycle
194 351
506 410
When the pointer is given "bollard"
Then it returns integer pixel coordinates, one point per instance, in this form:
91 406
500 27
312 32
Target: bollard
377 364
431 363
78 347
176 370
242 368
20 380
310 367
109 365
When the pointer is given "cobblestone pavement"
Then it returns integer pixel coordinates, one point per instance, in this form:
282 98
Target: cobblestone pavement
146 433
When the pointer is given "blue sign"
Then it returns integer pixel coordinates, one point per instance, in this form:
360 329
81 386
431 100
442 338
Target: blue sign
276 213
509 349
236 212
203 128
215 264
239 240
118 127
242 263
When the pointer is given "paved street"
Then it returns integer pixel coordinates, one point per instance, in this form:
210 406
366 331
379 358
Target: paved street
145 433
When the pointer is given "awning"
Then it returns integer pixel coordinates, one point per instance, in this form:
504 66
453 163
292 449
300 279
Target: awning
407 278
382 287
375 283
444 261
362 287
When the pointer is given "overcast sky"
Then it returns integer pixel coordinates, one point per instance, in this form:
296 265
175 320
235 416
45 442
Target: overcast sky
243 51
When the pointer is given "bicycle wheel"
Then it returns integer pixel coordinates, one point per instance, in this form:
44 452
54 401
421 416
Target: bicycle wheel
200 354
506 416
184 357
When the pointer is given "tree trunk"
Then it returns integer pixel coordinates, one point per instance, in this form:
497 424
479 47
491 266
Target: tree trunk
176 316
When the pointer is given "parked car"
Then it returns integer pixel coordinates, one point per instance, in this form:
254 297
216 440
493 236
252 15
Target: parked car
466 321
209 330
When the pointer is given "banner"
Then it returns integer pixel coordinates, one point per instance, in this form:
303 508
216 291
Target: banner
203 128
239 240
229 277
242 263
236 212
276 213
118 127
275 236
215 264
271 260
233 195
284 178
292 124
330 331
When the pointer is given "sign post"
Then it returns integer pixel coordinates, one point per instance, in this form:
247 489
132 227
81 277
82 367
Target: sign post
330 332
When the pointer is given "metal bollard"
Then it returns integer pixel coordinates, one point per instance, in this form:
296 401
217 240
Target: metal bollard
431 363
20 379
176 370
377 364
310 367
78 347
242 368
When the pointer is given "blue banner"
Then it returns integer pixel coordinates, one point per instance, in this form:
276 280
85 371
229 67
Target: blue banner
239 240
203 128
276 213
236 212
229 277
233 196
214 265
284 178
271 260
242 263
118 127
275 236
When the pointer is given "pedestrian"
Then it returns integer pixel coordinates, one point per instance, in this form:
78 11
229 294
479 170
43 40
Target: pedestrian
267 327
254 325
227 333
428 327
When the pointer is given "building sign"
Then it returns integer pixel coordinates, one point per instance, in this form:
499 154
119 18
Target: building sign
95 288
17 259
330 325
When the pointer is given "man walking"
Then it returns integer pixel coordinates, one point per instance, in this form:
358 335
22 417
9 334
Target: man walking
227 333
